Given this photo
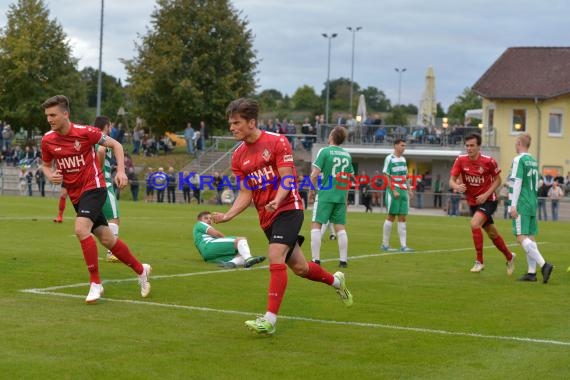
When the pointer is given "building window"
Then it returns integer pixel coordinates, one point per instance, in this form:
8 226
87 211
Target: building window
555 123
519 121
490 118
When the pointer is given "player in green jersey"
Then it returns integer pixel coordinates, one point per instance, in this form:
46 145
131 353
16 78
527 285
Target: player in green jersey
397 197
332 163
523 193
215 247
111 207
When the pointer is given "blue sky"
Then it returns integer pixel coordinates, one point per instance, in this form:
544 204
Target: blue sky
460 39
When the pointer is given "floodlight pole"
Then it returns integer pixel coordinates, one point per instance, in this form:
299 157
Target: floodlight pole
353 30
328 76
99 73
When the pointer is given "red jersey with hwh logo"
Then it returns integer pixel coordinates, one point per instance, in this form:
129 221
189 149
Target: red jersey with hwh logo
75 156
477 175
258 163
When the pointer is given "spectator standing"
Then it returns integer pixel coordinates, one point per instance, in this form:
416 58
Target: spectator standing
554 194
7 137
454 199
189 137
195 181
134 183
171 187
542 196
160 180
437 189
29 182
217 183
149 188
41 182
420 189
203 135
186 196
137 139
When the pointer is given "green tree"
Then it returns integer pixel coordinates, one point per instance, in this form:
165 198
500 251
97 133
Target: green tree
339 94
439 110
466 101
305 98
112 95
270 99
411 109
36 63
197 57
376 99
399 116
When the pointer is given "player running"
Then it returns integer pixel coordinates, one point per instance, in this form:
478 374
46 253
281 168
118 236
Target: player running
264 166
72 148
477 176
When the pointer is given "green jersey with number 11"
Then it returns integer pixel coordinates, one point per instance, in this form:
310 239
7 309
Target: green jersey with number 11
332 161
523 184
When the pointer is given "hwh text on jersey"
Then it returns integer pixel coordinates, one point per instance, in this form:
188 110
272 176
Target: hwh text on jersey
70 162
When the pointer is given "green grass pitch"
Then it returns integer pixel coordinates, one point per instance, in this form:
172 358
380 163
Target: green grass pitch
415 316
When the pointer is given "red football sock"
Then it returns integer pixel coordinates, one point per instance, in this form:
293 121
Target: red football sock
478 241
317 273
62 201
277 287
123 253
500 244
89 248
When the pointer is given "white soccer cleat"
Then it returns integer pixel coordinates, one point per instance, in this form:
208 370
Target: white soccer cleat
511 265
95 292
342 291
477 267
143 280
110 258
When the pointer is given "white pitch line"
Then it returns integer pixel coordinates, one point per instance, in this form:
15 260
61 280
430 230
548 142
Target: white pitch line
257 267
49 291
321 321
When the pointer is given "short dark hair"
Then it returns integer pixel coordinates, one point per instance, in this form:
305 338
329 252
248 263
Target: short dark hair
58 100
472 136
397 141
338 134
200 215
101 122
244 107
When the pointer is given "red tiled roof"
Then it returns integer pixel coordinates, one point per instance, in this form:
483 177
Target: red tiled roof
527 73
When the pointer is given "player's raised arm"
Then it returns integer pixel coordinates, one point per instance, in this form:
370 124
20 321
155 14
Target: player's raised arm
242 202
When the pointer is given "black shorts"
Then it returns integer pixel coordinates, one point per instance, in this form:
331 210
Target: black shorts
488 208
285 230
90 206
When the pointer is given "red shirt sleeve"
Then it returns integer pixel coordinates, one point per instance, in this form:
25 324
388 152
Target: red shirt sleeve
456 168
283 153
494 167
46 154
94 135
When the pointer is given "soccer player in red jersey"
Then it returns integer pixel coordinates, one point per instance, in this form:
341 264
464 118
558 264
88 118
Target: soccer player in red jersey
72 148
265 171
477 176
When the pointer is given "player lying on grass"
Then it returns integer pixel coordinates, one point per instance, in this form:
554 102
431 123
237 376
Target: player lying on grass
215 247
